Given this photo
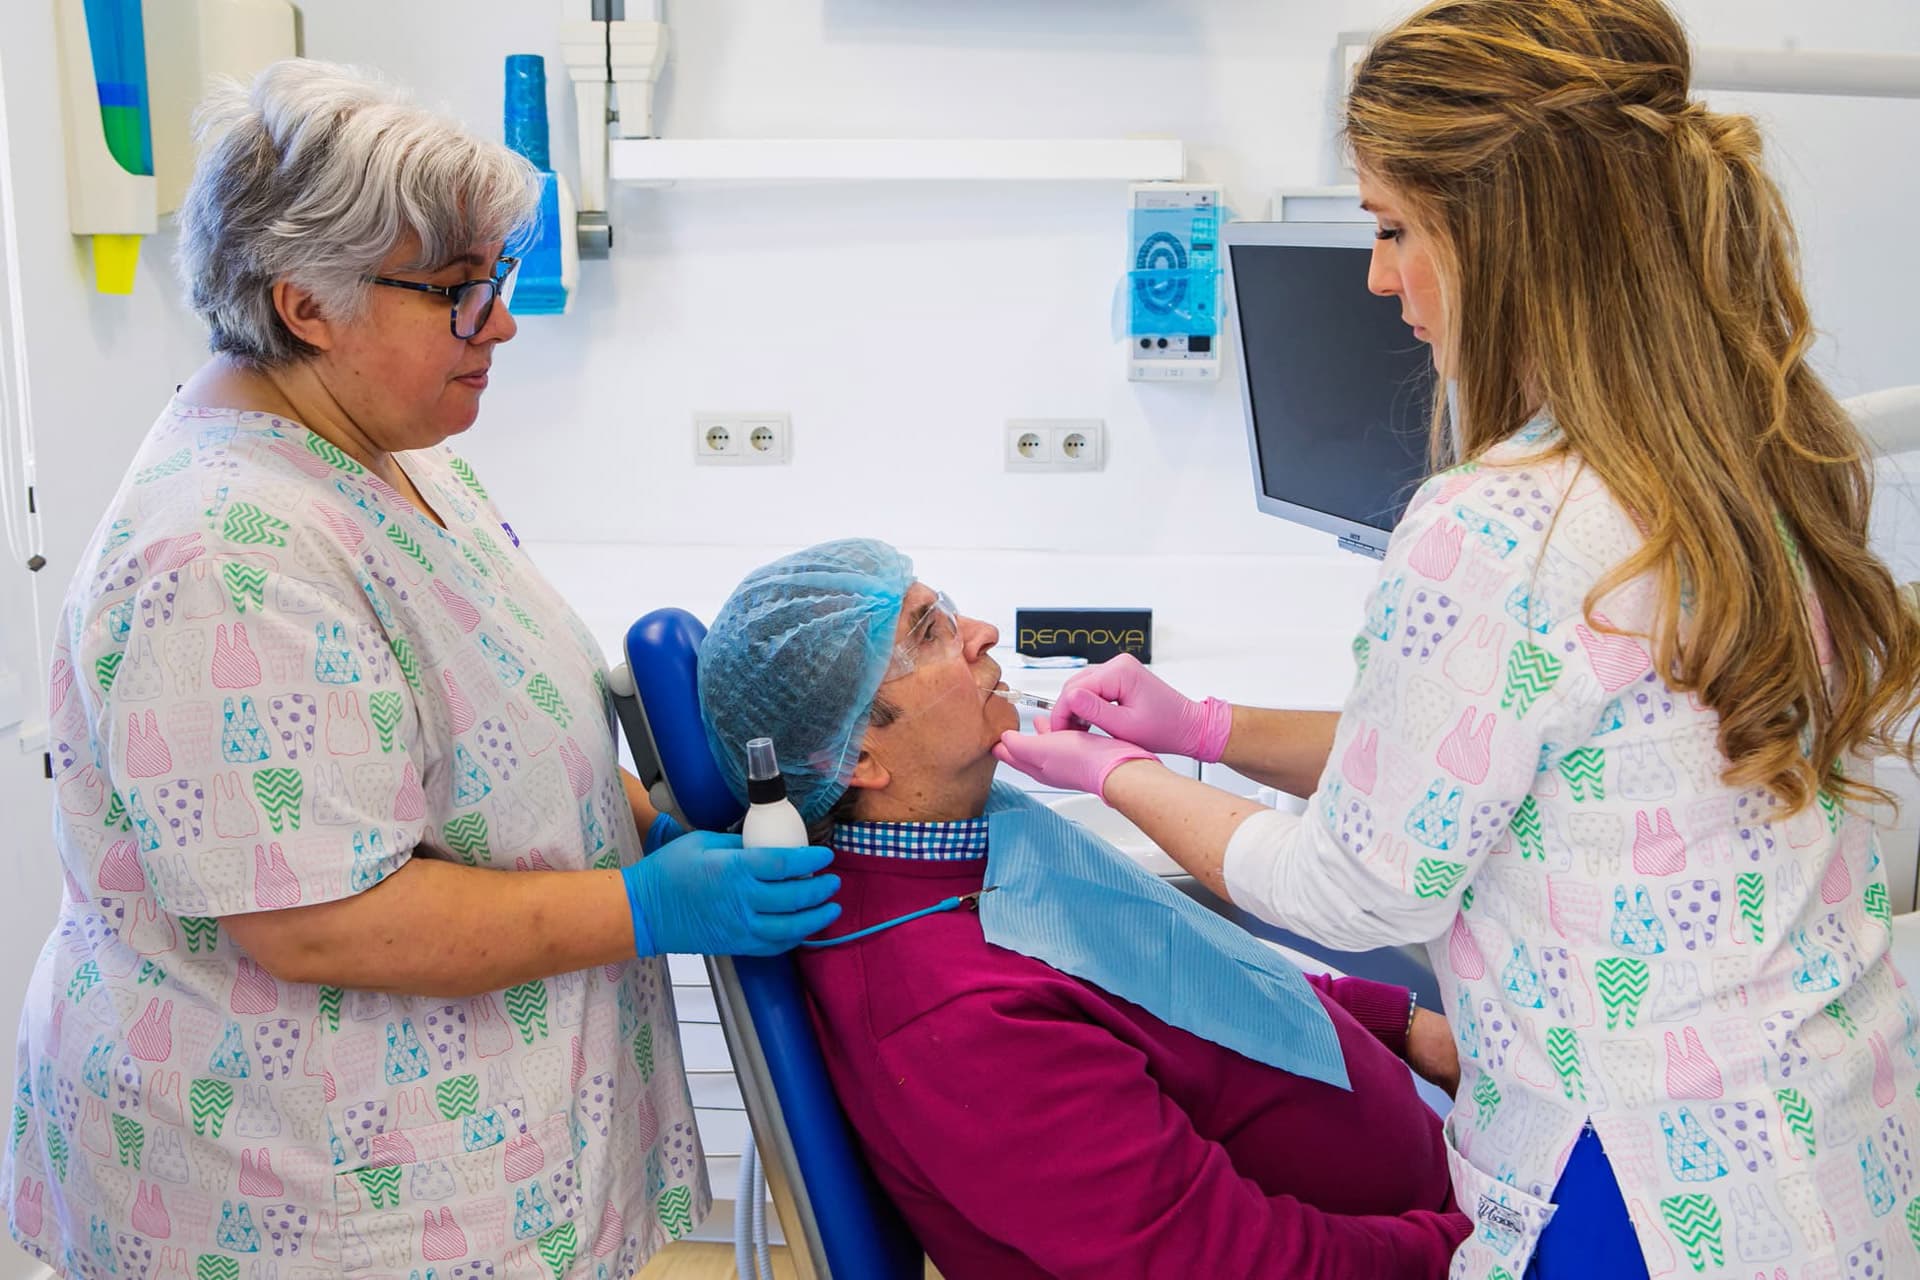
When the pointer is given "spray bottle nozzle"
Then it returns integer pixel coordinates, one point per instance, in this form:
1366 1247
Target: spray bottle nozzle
762 761
764 783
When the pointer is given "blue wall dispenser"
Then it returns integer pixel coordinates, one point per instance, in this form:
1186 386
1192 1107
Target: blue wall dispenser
548 249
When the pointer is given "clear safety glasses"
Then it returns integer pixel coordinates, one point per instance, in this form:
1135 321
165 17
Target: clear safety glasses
472 299
934 638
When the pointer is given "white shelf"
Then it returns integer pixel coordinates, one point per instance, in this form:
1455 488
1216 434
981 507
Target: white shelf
1317 204
895 159
1846 75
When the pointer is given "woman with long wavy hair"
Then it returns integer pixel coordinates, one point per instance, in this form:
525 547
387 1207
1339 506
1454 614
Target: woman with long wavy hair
1619 685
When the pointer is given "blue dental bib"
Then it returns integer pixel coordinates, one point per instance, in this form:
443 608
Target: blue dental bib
1070 901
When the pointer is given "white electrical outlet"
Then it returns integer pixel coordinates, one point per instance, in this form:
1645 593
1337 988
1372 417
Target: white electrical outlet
742 439
1056 444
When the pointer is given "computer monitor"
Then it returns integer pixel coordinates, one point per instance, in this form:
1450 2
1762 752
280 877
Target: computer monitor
1338 391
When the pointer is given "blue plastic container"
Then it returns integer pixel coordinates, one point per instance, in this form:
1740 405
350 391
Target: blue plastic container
539 244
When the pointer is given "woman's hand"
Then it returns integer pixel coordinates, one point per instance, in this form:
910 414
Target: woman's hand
1128 701
1431 1050
1069 759
704 894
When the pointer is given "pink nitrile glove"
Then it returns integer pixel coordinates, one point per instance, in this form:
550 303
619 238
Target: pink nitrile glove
1128 701
1067 759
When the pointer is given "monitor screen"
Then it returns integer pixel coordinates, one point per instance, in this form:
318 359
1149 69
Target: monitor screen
1338 391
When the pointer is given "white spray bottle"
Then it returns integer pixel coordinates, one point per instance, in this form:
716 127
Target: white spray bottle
772 821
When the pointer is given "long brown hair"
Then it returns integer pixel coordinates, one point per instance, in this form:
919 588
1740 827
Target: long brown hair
1614 253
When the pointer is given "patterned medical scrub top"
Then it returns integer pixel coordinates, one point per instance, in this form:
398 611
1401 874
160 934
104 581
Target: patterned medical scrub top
275 682
1623 938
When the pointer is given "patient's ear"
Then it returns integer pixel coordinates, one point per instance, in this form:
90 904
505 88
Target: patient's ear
868 773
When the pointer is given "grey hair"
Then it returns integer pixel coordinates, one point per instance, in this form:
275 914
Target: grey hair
315 173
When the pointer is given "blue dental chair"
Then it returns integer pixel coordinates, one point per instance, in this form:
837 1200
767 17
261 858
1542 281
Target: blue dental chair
839 1225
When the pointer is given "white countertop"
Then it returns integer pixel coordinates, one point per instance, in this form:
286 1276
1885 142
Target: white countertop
1271 630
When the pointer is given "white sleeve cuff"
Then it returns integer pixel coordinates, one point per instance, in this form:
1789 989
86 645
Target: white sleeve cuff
1253 852
1292 872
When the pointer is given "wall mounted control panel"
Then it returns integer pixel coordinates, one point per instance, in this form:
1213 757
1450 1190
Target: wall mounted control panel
1173 282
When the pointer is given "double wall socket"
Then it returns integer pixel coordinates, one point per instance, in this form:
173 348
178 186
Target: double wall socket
1056 444
742 439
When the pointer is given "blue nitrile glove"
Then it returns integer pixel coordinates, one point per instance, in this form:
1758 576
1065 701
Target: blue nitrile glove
663 830
703 894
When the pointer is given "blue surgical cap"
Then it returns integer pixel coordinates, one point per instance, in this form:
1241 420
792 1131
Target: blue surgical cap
797 654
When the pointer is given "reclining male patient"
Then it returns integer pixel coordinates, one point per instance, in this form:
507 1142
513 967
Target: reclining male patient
1026 1121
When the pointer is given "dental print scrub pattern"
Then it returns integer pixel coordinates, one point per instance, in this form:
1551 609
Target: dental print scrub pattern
273 701
1634 943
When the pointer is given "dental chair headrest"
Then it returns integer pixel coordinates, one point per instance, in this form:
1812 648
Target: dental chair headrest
663 652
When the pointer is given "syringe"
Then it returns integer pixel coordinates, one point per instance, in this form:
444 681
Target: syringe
1019 699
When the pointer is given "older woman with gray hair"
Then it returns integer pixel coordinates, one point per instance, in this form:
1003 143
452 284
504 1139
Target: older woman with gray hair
358 964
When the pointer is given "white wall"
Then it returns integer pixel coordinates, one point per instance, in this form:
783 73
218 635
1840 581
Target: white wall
899 325
902 326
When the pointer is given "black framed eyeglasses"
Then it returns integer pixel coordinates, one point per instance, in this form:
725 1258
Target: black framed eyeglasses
472 299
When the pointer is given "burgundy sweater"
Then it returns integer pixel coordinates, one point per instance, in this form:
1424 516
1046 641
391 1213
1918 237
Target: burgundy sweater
1029 1124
